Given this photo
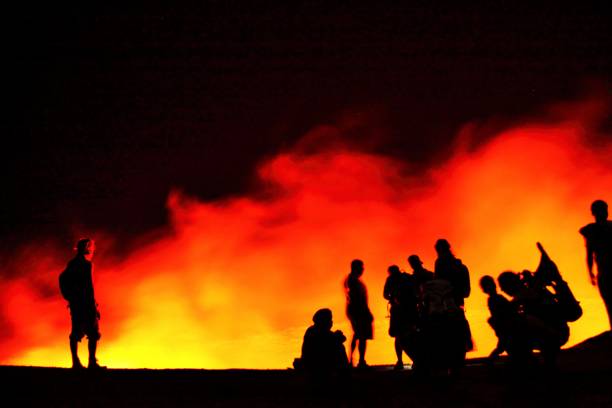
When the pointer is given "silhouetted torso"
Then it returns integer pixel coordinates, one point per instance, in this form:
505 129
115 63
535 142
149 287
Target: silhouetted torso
79 275
421 276
357 308
501 309
452 270
599 238
357 297
400 289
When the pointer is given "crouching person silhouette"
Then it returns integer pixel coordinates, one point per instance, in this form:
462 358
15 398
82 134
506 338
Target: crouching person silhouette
76 285
546 303
508 325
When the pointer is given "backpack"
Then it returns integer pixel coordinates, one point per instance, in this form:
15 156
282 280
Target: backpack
568 305
548 272
462 281
438 298
66 284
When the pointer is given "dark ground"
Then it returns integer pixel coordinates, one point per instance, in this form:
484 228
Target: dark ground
583 379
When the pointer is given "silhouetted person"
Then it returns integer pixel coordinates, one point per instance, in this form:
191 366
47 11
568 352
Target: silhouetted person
419 273
399 290
546 303
598 238
358 311
451 269
323 351
498 307
76 284
505 322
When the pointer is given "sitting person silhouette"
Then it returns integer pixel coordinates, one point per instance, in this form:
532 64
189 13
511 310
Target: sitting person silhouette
322 350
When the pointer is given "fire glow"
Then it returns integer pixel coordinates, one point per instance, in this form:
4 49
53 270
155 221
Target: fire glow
237 281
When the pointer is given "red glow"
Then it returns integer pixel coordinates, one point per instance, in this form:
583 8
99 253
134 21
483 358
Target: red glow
237 282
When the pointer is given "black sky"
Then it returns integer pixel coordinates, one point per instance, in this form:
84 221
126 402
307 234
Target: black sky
104 111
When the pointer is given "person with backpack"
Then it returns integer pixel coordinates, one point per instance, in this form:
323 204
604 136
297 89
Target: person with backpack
399 291
76 286
450 268
358 311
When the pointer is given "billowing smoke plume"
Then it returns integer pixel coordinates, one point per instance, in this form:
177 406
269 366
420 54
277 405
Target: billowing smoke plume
236 282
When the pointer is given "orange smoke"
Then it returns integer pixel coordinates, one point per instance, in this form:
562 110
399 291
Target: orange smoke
237 281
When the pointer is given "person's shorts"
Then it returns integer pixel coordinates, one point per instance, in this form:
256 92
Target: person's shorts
84 323
362 326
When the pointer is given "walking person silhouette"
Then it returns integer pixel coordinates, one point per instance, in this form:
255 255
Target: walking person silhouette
598 240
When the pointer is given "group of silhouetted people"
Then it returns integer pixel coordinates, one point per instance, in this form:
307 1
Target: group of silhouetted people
427 313
427 316
537 314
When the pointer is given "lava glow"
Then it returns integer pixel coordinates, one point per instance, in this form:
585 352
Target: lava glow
237 281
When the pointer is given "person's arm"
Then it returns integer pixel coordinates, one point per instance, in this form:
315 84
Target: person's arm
387 290
589 259
468 287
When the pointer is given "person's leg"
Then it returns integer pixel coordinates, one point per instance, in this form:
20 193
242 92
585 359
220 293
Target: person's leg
92 345
362 351
605 289
399 352
93 336
74 352
76 334
353 345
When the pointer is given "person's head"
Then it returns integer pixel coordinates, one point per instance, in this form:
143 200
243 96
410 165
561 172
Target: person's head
415 262
599 209
323 319
442 247
357 267
393 270
85 246
509 282
487 284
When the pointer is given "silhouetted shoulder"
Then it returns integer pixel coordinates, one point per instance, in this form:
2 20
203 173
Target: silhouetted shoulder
588 230
596 229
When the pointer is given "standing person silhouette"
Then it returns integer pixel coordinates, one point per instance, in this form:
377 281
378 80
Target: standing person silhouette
358 311
451 269
76 285
598 239
400 292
